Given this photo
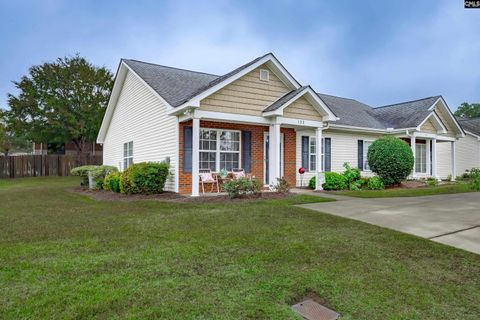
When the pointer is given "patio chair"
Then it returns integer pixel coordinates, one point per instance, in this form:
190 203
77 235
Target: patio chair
207 177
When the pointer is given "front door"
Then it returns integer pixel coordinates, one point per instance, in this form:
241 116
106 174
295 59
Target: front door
266 169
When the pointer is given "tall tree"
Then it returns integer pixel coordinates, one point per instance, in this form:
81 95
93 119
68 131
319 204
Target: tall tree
61 101
9 142
468 110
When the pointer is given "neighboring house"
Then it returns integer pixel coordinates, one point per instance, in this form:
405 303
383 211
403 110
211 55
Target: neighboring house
258 117
91 149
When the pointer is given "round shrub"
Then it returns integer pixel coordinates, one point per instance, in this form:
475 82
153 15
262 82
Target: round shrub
98 173
112 182
145 178
312 182
238 187
375 183
334 181
391 159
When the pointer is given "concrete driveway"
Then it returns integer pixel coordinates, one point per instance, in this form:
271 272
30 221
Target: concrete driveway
452 219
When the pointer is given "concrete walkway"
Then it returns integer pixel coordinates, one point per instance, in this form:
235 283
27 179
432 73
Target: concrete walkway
452 219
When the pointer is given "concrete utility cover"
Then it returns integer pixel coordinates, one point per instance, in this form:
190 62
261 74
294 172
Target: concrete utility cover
452 219
311 310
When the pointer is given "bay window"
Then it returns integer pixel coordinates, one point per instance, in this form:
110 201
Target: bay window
219 149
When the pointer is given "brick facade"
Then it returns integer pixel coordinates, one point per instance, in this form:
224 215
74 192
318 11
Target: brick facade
185 178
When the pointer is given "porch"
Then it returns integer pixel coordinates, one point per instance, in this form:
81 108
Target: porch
264 147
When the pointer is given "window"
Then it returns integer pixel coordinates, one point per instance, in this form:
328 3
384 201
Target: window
366 145
127 154
219 149
312 154
264 75
421 158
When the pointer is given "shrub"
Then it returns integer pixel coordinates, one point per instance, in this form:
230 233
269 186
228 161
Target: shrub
334 181
238 187
144 177
375 183
282 186
475 184
98 174
257 186
351 174
391 159
112 182
312 182
431 182
471 174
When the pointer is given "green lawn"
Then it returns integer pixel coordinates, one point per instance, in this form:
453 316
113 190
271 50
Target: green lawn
427 191
64 256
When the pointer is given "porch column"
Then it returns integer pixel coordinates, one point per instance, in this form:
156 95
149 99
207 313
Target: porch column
274 153
413 146
195 155
428 142
454 161
318 160
434 158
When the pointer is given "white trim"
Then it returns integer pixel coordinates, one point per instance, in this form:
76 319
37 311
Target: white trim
282 156
231 117
299 122
472 134
317 103
319 173
454 160
195 156
177 160
365 156
445 107
413 145
267 72
368 130
434 159
282 73
218 151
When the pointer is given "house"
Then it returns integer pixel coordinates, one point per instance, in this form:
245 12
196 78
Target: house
260 118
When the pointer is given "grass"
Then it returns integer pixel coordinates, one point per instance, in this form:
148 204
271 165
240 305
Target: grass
67 256
459 187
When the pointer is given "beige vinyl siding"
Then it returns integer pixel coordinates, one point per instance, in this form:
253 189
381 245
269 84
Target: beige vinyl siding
468 155
247 95
428 127
302 109
344 147
447 122
140 116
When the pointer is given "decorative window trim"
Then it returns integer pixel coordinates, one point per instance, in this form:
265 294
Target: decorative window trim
266 75
127 154
421 149
365 155
322 153
217 150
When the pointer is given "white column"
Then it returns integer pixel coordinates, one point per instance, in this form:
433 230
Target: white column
413 145
427 155
274 153
195 156
318 160
454 161
434 158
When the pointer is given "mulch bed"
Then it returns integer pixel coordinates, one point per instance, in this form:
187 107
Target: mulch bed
175 197
412 184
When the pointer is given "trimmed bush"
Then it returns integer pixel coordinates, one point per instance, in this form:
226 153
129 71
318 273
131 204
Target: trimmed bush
145 178
375 183
431 182
351 174
312 182
334 181
391 159
98 174
112 182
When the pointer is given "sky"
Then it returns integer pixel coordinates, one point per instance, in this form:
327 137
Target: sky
378 52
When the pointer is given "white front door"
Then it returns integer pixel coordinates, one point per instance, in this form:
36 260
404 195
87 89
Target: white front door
266 154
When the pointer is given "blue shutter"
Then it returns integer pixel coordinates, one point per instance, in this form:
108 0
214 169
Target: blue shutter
328 154
305 146
247 151
187 149
360 155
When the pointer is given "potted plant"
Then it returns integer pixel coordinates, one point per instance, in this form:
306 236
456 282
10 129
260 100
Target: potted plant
223 173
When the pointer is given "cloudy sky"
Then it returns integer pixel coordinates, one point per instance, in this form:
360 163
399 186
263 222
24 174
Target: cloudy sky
378 54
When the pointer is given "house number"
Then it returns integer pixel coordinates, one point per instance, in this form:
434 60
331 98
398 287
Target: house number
301 122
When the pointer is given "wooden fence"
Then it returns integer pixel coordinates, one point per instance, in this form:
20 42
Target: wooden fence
42 165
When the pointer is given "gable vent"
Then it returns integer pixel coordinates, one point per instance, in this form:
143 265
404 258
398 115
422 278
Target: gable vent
264 75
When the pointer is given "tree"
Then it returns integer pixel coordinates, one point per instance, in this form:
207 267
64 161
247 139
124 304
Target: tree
468 110
391 159
60 102
9 142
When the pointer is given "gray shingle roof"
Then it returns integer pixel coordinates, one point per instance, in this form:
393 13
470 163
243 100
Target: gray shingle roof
408 114
351 112
472 125
283 99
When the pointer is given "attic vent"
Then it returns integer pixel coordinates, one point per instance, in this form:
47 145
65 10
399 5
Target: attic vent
264 75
